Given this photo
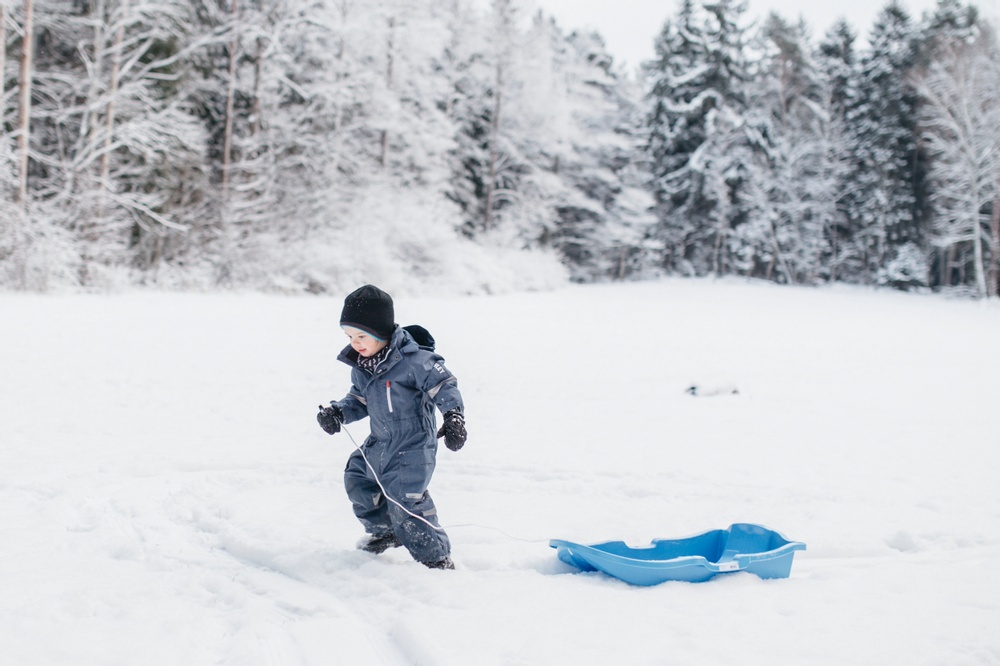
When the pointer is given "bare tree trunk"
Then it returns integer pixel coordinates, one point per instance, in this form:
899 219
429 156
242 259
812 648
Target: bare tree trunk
717 253
503 16
109 122
227 143
977 258
344 7
834 246
622 265
947 258
978 248
993 285
13 222
258 69
491 178
383 157
3 54
779 257
93 93
27 54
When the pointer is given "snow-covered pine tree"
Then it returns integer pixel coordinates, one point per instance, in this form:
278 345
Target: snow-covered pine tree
467 65
580 139
486 68
951 21
836 60
880 198
678 95
796 184
698 147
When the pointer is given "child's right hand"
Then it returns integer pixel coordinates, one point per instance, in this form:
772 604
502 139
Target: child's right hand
330 419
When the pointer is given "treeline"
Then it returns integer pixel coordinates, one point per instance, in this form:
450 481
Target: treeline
307 144
803 163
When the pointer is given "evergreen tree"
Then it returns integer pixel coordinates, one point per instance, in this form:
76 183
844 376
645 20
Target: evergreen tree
245 142
881 197
559 155
950 24
836 60
796 181
584 165
679 101
698 147
471 71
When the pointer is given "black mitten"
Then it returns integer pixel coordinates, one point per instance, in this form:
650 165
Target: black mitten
330 418
453 430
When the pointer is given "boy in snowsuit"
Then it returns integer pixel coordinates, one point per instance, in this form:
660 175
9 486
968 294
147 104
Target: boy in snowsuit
397 383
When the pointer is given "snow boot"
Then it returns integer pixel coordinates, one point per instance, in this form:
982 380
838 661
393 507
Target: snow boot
446 563
380 544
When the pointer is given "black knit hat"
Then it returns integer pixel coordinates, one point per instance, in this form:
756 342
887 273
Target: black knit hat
370 310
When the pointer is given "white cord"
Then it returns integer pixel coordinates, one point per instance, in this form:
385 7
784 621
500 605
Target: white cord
385 493
419 517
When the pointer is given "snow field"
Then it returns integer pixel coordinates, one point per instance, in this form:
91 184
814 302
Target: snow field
166 496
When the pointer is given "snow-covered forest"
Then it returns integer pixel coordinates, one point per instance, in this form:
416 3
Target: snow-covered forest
307 145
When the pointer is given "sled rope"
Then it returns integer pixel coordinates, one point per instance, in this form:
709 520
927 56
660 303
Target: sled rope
392 499
385 493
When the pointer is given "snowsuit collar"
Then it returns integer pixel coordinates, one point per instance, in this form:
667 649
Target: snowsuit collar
370 364
401 341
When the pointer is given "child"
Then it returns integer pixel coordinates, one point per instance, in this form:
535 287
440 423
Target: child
396 382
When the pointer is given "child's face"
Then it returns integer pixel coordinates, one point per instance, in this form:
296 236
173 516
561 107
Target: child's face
363 343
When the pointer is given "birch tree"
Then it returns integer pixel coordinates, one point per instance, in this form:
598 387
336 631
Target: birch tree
24 106
962 130
10 236
951 24
227 140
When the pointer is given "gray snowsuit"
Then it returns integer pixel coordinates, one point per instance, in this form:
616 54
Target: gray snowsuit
399 399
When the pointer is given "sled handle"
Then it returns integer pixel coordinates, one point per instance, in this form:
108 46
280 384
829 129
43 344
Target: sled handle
729 562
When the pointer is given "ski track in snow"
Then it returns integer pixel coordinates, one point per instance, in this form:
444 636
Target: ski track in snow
166 497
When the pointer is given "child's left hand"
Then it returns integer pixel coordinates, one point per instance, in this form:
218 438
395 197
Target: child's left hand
453 430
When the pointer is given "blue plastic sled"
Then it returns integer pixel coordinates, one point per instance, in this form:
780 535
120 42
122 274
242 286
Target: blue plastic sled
741 547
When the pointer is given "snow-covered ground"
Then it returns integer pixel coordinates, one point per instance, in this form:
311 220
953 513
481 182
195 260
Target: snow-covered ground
166 496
